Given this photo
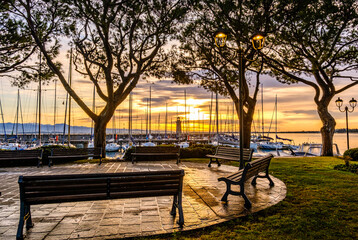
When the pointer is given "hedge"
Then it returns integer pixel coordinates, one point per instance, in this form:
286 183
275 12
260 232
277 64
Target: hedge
352 154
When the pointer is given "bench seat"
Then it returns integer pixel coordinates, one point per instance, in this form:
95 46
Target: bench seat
74 153
156 151
252 169
16 155
230 154
45 189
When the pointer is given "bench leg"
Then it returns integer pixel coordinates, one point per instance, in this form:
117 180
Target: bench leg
226 194
20 227
180 210
25 215
100 161
29 223
217 161
173 212
242 193
39 163
50 162
210 162
253 182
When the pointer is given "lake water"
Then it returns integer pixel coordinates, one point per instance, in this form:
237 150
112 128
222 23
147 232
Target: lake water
339 138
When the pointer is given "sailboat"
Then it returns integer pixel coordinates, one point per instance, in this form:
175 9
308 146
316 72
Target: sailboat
277 145
149 121
15 145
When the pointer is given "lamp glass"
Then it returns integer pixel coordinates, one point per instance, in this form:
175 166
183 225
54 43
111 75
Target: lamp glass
353 103
220 39
339 102
258 40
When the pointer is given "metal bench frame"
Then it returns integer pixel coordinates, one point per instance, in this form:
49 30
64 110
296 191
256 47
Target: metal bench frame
156 151
231 154
89 187
9 155
252 169
66 153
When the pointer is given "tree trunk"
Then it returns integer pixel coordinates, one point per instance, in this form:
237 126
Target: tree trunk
248 118
247 131
327 130
100 135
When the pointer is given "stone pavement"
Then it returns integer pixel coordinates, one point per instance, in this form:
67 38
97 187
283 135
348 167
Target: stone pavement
112 219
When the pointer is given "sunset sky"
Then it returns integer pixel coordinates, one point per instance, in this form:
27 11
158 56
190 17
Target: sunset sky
296 109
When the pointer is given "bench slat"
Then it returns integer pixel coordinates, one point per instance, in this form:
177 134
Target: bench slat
231 154
100 186
252 169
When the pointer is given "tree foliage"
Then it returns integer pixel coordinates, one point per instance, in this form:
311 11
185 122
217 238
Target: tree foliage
318 46
16 45
217 69
115 44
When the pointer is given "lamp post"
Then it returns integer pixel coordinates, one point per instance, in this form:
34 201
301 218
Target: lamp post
257 43
353 104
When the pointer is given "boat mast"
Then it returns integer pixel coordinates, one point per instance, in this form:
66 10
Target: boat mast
147 119
276 119
210 113
54 110
150 111
185 120
166 119
3 122
130 117
69 101
93 108
217 116
40 100
262 109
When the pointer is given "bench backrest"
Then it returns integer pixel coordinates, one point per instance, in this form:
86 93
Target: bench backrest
83 187
157 149
36 154
75 151
255 167
234 152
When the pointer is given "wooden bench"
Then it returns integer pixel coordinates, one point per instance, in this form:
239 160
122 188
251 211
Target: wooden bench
231 154
156 151
16 155
74 153
252 169
89 187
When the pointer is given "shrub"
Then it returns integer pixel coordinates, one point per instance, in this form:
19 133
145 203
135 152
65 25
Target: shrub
352 154
193 151
197 151
351 168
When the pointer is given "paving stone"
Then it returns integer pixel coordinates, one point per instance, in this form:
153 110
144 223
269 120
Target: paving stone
120 218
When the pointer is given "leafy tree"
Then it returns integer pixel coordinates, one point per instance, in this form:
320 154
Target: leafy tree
16 45
116 43
318 46
217 69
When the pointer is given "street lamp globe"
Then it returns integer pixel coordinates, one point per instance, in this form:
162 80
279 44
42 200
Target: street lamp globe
339 102
220 37
258 40
353 103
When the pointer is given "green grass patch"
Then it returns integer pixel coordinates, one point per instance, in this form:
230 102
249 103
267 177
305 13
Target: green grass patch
321 203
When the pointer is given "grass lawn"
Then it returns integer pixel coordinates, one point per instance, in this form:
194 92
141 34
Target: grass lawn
321 203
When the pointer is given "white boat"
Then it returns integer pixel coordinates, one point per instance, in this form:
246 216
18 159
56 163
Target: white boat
183 144
112 147
148 144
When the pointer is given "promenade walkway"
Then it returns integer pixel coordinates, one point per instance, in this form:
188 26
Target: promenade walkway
112 219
